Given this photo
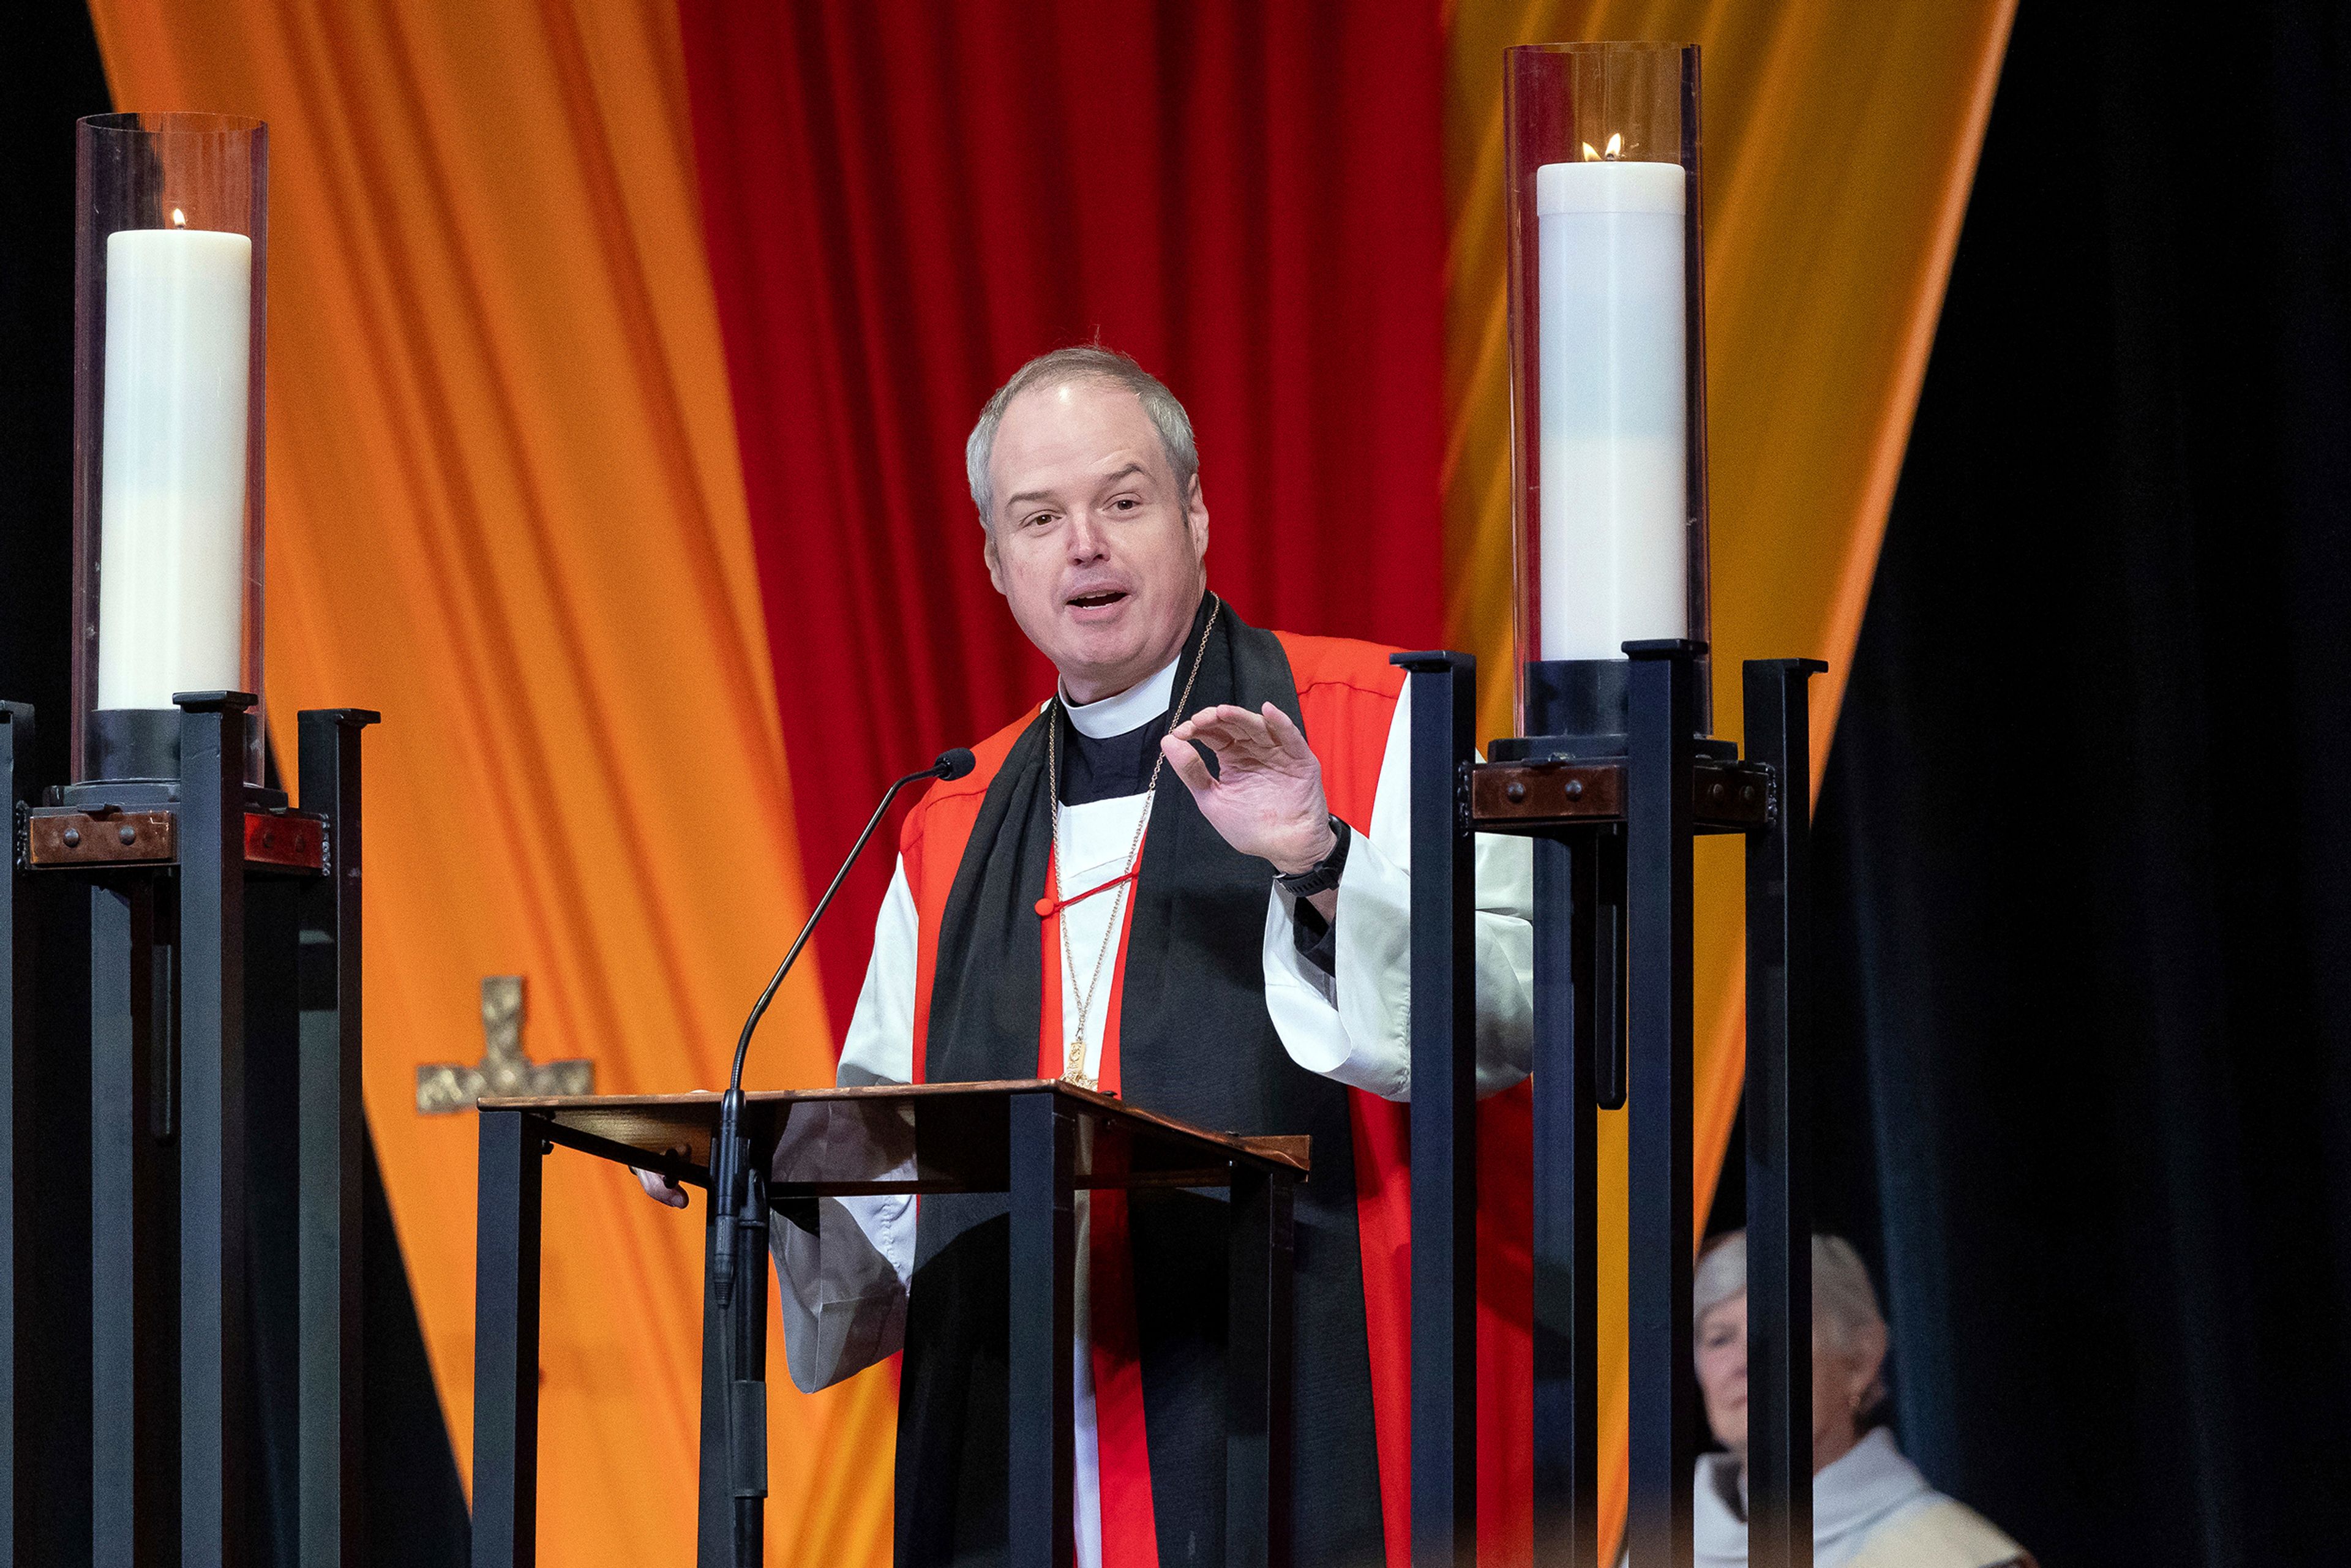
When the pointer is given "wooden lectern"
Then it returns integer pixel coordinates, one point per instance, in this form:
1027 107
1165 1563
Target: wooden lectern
1039 1141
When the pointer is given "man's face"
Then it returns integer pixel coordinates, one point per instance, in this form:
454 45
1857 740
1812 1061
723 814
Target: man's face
1091 544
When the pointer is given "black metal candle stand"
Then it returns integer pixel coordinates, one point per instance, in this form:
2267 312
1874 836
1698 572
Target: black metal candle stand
216 1372
1612 800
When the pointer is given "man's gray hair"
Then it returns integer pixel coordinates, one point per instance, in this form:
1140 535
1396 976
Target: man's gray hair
1083 362
1844 1307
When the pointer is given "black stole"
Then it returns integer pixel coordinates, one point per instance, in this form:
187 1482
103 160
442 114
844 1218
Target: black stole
1194 1042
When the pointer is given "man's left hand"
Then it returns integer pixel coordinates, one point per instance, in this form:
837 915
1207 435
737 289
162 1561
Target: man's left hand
1266 796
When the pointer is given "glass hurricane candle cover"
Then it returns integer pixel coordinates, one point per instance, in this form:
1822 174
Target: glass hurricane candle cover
169 329
1607 356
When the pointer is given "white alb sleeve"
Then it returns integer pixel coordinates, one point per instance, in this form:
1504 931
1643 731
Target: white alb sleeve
1355 1025
844 1285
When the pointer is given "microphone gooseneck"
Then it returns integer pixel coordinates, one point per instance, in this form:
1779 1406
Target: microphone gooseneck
950 765
727 1153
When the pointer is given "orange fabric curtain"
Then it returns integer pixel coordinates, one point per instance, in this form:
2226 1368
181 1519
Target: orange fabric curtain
1841 142
506 509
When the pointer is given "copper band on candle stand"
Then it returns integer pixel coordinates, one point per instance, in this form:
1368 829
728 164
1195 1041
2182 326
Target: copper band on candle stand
56 836
1726 796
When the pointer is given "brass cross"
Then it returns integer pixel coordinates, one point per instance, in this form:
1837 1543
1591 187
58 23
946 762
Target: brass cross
443 1087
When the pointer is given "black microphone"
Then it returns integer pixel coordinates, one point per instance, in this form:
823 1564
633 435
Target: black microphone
727 1154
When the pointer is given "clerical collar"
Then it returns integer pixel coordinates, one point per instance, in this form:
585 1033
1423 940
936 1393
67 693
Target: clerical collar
1132 709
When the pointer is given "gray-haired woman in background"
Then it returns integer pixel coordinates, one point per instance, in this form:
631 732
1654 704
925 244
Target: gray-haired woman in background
1871 1508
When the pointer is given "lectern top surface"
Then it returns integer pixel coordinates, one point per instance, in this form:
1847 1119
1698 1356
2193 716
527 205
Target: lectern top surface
922 1137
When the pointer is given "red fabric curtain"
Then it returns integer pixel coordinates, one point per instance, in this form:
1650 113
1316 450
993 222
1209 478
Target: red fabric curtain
904 202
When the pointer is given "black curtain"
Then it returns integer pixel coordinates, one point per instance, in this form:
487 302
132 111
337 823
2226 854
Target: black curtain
50 74
2085 842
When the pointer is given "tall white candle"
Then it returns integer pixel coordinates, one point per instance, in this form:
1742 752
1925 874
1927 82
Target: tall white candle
172 565
1614 521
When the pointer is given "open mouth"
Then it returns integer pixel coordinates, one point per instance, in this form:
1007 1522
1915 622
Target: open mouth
1098 599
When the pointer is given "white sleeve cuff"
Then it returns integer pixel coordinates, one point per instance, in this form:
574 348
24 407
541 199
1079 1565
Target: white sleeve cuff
844 1287
1353 1027
844 1305
1356 1025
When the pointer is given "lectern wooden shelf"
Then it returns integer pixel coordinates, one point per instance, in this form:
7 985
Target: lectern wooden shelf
1039 1141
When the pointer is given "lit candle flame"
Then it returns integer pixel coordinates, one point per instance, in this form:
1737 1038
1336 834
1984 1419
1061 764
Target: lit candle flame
1616 150
179 219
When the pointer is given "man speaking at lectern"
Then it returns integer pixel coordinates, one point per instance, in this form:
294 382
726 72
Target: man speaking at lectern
1228 945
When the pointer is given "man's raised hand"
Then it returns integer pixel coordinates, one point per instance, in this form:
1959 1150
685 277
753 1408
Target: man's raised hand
1266 796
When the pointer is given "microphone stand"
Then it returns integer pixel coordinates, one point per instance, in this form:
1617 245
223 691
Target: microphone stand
738 1200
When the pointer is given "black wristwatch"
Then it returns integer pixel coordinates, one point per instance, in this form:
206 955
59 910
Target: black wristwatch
1323 874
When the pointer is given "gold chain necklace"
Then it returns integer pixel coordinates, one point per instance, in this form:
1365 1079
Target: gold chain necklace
1074 1055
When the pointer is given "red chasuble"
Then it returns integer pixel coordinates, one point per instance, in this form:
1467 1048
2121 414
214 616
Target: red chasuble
1344 693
